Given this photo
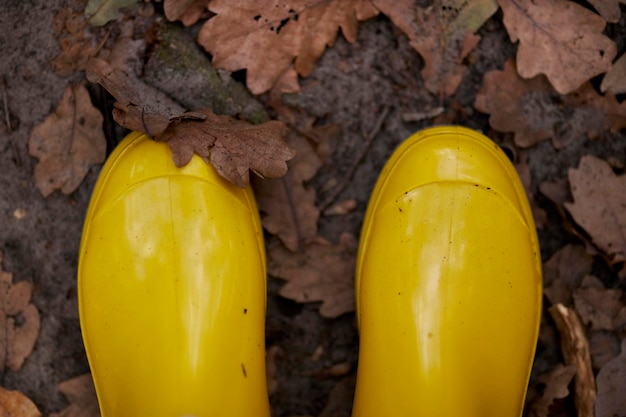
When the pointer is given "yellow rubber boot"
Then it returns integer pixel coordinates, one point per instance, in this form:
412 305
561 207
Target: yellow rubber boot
171 284
448 283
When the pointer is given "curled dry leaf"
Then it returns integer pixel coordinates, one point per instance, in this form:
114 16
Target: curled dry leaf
67 143
556 382
287 204
598 207
560 39
323 272
564 272
16 404
611 400
16 341
232 146
81 394
138 107
533 111
187 11
267 38
442 33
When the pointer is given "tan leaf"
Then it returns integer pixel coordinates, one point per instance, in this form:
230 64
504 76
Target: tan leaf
599 201
323 272
81 394
187 11
287 204
556 382
615 79
67 143
100 12
232 146
16 404
608 9
560 39
266 38
596 305
443 34
19 321
611 400
535 112
564 272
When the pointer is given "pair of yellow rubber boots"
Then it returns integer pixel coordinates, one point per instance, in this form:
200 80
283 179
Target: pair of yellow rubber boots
172 286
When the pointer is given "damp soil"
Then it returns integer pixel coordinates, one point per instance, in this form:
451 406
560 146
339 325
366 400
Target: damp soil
366 88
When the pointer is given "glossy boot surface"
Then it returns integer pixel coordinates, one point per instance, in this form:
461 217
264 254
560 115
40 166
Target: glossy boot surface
172 289
448 283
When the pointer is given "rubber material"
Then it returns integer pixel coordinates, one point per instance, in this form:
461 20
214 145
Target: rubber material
171 287
448 282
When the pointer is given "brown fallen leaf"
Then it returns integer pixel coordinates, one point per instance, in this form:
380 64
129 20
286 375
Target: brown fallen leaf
267 38
232 146
187 11
287 204
564 272
608 9
596 305
615 79
533 111
16 404
556 382
443 33
323 272
339 403
560 39
81 394
273 352
76 43
19 321
598 207
611 401
138 106
67 143
604 347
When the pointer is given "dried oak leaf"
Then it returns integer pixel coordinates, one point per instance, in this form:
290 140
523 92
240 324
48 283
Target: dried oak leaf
234 147
596 305
138 106
100 12
611 401
564 272
287 204
615 79
187 11
598 207
323 272
267 38
67 143
16 340
556 382
608 9
534 111
81 394
560 39
443 34
16 404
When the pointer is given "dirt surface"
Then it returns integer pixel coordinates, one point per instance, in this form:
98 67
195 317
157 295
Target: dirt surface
352 86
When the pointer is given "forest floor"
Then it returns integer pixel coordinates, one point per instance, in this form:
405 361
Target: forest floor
358 104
